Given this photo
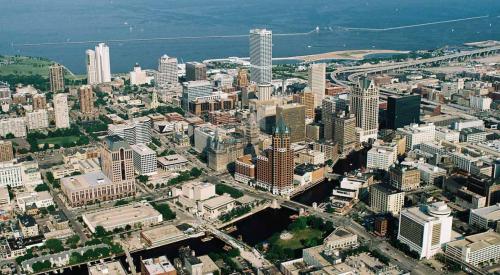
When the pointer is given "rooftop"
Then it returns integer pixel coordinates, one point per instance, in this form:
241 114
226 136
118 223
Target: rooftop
122 215
114 142
85 181
477 241
218 201
160 265
491 213
142 149
111 268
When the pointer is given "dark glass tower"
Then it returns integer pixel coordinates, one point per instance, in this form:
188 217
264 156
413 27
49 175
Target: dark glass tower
402 110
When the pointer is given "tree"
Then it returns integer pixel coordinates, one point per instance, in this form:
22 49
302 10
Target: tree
40 266
100 232
143 178
9 136
54 245
42 187
195 172
73 241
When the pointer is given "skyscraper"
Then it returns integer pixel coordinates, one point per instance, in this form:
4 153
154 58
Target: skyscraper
331 105
167 71
316 81
365 107
275 168
91 67
61 111
56 78
194 89
402 110
265 91
307 99
196 71
98 65
117 160
86 98
344 132
261 55
103 66
242 78
294 116
39 102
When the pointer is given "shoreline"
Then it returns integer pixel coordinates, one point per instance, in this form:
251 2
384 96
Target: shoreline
354 55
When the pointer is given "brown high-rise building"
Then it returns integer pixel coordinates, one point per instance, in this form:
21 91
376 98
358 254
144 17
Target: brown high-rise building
6 152
117 160
86 98
196 71
242 78
56 77
306 99
404 178
344 132
39 102
294 116
275 169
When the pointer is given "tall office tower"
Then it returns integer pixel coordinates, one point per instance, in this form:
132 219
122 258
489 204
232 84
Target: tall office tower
6 151
252 131
242 78
86 98
317 80
384 199
194 89
307 99
293 115
404 178
39 102
134 131
167 71
261 55
61 110
425 229
56 78
117 160
402 110
344 132
265 91
91 67
365 107
103 65
196 71
330 106
275 169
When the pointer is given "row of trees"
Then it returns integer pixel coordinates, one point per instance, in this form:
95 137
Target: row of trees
185 176
221 188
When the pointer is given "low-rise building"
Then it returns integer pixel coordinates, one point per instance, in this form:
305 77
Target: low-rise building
137 214
161 235
340 238
39 199
108 268
157 266
217 206
476 249
381 156
404 178
486 217
93 187
28 226
174 162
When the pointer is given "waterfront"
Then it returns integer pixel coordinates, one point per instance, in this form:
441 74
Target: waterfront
80 20
322 191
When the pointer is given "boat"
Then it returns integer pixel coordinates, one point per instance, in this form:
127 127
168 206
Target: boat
231 229
207 238
227 247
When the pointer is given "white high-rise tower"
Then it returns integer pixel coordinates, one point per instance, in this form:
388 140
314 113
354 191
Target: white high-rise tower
98 65
365 106
167 71
91 70
61 110
316 82
103 66
261 55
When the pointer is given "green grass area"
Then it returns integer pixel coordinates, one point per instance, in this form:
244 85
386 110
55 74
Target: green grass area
298 236
58 140
24 65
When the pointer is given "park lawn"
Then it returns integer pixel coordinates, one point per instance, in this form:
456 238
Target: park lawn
24 65
58 140
298 236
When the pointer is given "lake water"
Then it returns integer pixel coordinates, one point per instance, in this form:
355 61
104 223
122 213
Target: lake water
27 21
